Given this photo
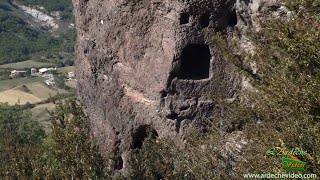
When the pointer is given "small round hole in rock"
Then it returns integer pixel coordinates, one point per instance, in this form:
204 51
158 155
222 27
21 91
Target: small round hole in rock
204 20
86 51
163 94
119 163
184 18
172 116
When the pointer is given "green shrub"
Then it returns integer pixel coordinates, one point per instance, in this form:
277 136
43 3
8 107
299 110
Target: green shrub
310 5
284 111
68 152
20 138
156 160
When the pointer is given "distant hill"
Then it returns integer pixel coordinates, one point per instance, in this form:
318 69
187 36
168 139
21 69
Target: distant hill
24 37
63 6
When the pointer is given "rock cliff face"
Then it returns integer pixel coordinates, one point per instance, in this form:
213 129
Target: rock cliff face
147 66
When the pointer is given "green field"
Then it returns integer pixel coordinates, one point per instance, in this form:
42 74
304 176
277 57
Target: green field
11 83
65 70
26 65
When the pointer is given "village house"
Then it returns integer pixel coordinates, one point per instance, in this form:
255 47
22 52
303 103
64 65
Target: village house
71 75
33 72
44 71
16 74
50 82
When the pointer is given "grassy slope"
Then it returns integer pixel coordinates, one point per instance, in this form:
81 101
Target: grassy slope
11 83
13 96
66 69
26 65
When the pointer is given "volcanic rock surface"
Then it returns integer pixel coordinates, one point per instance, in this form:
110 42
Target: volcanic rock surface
147 66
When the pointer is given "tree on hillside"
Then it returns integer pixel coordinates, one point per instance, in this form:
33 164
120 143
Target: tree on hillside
69 152
19 142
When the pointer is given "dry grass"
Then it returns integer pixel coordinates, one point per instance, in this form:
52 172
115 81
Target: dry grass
72 84
40 90
67 69
13 96
49 106
37 92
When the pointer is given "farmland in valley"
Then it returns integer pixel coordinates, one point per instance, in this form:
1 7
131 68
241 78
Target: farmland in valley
12 83
13 96
40 90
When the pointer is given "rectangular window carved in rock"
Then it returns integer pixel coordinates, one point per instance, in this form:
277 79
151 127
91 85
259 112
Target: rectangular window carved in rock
195 62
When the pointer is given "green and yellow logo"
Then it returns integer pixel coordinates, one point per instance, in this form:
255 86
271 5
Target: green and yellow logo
289 159
291 164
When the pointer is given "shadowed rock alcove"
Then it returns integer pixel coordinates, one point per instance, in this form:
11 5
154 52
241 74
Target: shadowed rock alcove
141 134
232 19
195 62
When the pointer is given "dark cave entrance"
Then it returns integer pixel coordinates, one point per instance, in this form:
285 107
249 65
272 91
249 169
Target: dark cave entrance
141 134
232 19
118 163
204 20
184 18
195 62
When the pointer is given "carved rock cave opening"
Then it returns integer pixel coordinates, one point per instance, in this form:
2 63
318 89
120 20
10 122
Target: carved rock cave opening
195 62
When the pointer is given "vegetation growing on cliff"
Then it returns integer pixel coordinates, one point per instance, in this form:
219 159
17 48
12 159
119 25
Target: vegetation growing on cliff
66 153
287 101
282 111
20 138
